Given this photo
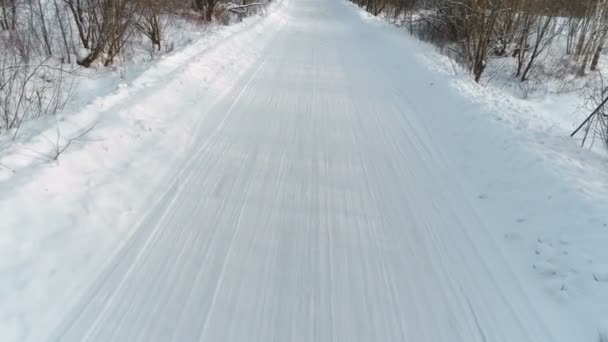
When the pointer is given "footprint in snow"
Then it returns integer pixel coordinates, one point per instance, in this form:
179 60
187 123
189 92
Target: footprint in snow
545 268
512 236
601 275
544 249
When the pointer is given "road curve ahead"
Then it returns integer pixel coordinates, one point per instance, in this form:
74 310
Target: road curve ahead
319 206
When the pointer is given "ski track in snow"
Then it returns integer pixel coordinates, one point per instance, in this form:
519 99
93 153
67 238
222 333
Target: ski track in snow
316 208
320 200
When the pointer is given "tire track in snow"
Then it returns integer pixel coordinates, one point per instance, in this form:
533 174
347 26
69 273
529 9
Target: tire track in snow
317 208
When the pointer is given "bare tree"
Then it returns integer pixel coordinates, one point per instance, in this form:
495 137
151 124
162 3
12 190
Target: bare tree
8 14
65 37
148 22
103 26
538 29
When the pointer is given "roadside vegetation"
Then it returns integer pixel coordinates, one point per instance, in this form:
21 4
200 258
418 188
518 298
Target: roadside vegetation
533 45
47 45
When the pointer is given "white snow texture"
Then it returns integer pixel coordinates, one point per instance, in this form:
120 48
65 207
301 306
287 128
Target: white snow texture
309 175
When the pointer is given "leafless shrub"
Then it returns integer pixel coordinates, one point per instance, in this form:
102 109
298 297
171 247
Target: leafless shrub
59 144
39 39
32 84
149 24
30 91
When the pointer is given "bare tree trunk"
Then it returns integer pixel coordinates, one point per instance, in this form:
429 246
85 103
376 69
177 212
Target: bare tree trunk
76 7
578 51
8 15
596 57
64 34
598 50
45 32
209 11
583 67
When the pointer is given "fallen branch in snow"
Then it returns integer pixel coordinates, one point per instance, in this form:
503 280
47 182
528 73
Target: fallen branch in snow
41 156
590 117
241 8
59 150
58 147
7 167
28 90
596 123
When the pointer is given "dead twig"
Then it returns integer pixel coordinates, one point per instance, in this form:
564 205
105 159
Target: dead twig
58 148
7 167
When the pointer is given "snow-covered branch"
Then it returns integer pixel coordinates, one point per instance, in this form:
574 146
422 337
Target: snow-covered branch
242 8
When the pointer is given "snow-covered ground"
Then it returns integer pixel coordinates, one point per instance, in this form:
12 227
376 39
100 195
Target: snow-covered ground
304 176
546 199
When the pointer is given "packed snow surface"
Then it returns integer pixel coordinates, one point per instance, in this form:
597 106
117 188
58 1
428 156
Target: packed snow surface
308 178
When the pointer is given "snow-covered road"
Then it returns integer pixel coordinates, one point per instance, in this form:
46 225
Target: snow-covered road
319 205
